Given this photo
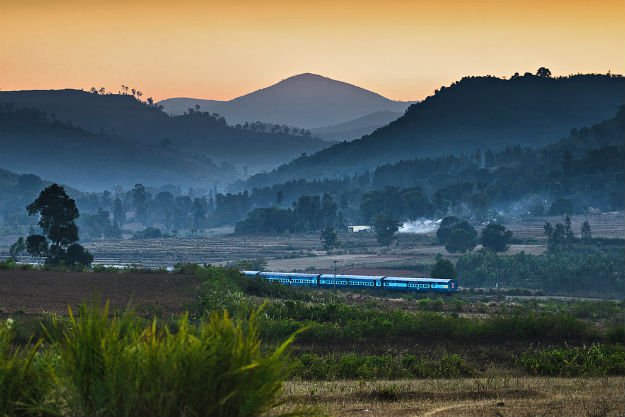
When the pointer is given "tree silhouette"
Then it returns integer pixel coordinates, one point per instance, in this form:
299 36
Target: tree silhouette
57 215
495 237
443 269
385 228
543 72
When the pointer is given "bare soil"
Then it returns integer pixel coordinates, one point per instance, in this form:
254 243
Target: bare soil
32 292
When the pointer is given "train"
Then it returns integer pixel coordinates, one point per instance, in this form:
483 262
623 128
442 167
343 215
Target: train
436 285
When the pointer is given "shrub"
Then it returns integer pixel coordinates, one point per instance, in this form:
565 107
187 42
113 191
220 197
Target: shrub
114 367
593 360
24 376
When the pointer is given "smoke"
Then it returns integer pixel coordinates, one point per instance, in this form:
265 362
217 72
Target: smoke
420 227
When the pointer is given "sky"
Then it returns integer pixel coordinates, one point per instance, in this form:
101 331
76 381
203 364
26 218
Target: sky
401 49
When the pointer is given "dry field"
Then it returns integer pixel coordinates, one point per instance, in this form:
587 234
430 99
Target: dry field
500 396
32 292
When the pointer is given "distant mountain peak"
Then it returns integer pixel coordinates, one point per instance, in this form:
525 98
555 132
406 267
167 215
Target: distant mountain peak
304 100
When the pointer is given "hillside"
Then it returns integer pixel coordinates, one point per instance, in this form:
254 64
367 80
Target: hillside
31 143
475 112
356 128
305 100
125 116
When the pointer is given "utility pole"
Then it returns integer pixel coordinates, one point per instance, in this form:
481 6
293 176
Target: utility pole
335 261
497 284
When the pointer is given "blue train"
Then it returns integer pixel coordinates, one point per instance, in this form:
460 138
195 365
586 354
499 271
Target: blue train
447 286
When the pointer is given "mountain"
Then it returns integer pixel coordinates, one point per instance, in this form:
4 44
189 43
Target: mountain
305 100
475 112
126 117
356 128
32 143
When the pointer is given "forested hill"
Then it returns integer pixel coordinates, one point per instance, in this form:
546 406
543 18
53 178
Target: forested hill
475 112
124 115
33 143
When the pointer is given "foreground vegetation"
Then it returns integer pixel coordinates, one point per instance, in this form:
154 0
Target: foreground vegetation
97 364
100 362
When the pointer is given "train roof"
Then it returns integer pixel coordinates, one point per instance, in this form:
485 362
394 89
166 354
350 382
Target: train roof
408 279
342 276
289 274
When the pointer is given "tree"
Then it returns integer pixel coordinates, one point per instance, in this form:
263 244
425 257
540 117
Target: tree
561 206
445 228
17 248
279 198
77 254
543 72
385 228
495 237
57 215
119 214
329 238
140 200
444 269
586 232
37 246
460 240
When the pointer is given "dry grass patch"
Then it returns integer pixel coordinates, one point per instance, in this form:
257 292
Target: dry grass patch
501 396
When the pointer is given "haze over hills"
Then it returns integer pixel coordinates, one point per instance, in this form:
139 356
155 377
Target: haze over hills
475 112
126 117
305 100
33 144
356 128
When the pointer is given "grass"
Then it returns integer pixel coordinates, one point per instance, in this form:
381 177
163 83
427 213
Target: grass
103 364
466 397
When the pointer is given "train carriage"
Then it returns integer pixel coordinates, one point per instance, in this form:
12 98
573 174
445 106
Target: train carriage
437 285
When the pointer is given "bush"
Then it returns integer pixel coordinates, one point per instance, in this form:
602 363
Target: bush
24 376
359 366
593 360
112 366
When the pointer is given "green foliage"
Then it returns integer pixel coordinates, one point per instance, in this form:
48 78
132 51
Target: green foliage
443 268
457 235
17 248
361 366
593 360
385 228
584 272
408 203
25 376
149 233
309 213
460 240
114 366
495 237
57 215
329 238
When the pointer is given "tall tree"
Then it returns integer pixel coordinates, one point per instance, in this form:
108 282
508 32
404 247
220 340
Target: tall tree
57 215
495 237
385 228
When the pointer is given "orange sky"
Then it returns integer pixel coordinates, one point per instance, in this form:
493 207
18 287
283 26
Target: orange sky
222 49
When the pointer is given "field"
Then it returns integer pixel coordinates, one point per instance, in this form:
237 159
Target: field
365 353
32 292
516 396
303 251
